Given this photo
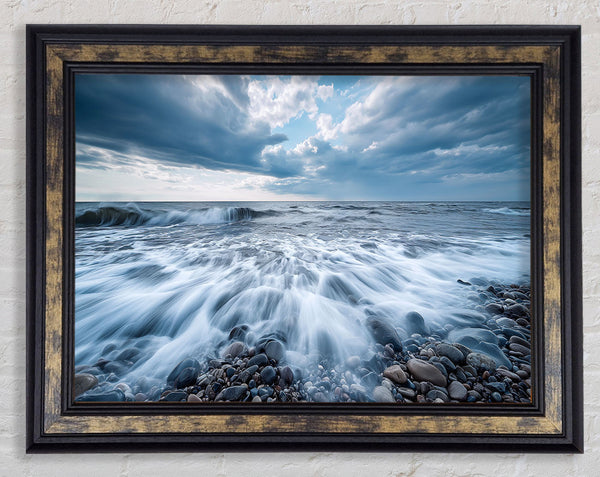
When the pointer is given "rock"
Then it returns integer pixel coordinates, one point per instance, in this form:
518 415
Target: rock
287 375
234 349
519 348
84 382
448 364
498 387
129 354
371 379
359 392
462 282
415 323
506 322
451 352
517 311
266 391
481 362
116 395
423 371
268 375
320 397
256 399
440 367
395 374
123 387
232 393
238 332
258 360
494 308
496 397
407 392
187 377
140 397
508 374
473 396
117 367
186 363
275 350
457 391
175 396
383 394
193 398
384 333
435 394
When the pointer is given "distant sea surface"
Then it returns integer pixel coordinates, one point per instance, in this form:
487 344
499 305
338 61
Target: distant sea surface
173 279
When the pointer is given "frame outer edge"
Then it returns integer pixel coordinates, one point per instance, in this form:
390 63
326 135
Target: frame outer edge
34 36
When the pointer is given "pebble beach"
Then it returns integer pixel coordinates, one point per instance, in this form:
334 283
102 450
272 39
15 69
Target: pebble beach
490 363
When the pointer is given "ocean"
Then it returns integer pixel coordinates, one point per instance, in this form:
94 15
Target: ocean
173 280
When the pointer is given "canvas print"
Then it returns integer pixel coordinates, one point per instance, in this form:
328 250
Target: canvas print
301 239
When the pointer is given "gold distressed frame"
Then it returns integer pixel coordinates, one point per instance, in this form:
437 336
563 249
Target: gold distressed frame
56 423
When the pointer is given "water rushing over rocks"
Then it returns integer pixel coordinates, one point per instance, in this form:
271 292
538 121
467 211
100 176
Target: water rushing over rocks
302 301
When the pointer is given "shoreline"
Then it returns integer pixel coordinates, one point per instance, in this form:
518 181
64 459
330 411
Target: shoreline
494 366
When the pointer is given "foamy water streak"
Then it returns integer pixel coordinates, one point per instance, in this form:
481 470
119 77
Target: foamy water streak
173 279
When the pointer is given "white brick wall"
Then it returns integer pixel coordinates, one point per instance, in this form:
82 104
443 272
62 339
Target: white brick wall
14 14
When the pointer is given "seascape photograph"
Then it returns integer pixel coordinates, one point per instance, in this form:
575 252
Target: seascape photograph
302 239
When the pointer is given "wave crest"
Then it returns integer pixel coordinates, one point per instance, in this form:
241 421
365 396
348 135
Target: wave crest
106 215
508 211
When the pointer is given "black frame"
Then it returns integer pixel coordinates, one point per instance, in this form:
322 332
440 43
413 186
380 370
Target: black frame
567 39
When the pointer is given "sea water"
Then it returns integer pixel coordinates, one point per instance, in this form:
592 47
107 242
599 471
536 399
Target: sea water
173 279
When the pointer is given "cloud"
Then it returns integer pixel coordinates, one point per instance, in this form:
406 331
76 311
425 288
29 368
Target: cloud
384 137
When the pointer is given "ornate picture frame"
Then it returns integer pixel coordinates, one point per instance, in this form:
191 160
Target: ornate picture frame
549 55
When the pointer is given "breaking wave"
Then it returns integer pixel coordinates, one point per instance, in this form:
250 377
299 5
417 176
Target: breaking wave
106 215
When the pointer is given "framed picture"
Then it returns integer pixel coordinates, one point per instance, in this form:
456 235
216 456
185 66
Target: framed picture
260 238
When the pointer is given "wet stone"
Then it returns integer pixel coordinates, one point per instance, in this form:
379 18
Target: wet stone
457 391
258 360
268 374
437 394
383 394
481 361
395 374
186 363
452 353
423 371
275 350
234 349
84 382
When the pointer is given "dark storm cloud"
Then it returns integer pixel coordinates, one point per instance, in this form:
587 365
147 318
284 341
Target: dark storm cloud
165 118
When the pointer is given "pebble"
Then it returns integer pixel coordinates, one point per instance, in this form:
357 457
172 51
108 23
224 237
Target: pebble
234 349
275 350
452 353
519 348
232 393
423 371
481 361
268 374
457 391
383 394
186 363
258 360
84 382
435 394
395 374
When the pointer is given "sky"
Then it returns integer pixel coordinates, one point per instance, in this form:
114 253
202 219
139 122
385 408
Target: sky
245 138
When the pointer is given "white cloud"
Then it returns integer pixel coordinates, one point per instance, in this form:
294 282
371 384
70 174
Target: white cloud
276 100
327 130
371 147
